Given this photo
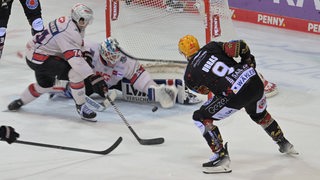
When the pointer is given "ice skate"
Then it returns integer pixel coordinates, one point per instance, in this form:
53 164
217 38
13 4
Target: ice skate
270 89
15 105
191 98
219 162
286 147
86 113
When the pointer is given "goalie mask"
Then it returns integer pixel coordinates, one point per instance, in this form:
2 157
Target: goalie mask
188 46
82 15
109 52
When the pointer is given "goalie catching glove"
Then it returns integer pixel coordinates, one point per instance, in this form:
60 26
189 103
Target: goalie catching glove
251 61
99 86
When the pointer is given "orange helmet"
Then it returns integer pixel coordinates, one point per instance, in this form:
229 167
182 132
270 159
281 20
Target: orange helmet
188 45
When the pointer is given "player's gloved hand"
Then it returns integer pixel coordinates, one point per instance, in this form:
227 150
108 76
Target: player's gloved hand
99 86
4 3
88 57
232 48
8 134
251 61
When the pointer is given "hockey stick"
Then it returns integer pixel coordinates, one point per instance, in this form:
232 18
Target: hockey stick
102 105
98 106
141 141
104 152
150 60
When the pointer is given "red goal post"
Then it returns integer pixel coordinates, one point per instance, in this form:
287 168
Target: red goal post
150 29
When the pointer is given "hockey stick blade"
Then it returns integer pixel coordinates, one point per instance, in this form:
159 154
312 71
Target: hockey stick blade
218 172
104 152
153 141
94 104
141 141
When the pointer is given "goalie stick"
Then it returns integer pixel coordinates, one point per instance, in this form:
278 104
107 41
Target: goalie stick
150 60
94 104
103 152
141 141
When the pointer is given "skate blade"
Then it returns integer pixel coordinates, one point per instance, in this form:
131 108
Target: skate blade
292 152
89 120
272 93
216 170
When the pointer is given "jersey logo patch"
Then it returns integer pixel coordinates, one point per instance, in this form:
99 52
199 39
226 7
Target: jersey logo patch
32 4
241 81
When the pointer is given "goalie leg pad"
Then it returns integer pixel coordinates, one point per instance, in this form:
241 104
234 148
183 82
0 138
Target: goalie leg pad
179 85
129 93
165 95
61 89
183 96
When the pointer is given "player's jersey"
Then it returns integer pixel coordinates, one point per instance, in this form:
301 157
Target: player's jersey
124 68
212 70
61 38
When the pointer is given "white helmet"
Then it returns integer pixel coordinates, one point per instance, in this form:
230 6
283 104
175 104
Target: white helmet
109 51
82 15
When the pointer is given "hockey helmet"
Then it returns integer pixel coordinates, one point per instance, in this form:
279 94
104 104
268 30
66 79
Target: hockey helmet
188 46
109 51
82 15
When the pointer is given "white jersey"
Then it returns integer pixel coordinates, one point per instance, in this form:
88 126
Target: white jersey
124 68
61 38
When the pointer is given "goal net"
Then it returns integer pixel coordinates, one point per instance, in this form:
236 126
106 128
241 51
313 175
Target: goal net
149 30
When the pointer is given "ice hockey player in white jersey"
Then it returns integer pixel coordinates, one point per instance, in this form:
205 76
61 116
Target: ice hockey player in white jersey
129 77
56 52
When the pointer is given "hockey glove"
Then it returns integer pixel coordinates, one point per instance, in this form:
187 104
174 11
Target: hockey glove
4 3
8 134
251 61
236 48
88 57
99 86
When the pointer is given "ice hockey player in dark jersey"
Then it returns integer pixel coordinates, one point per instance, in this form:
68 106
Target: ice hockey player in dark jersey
235 85
32 10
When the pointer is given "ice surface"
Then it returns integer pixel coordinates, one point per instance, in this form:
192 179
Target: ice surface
288 58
